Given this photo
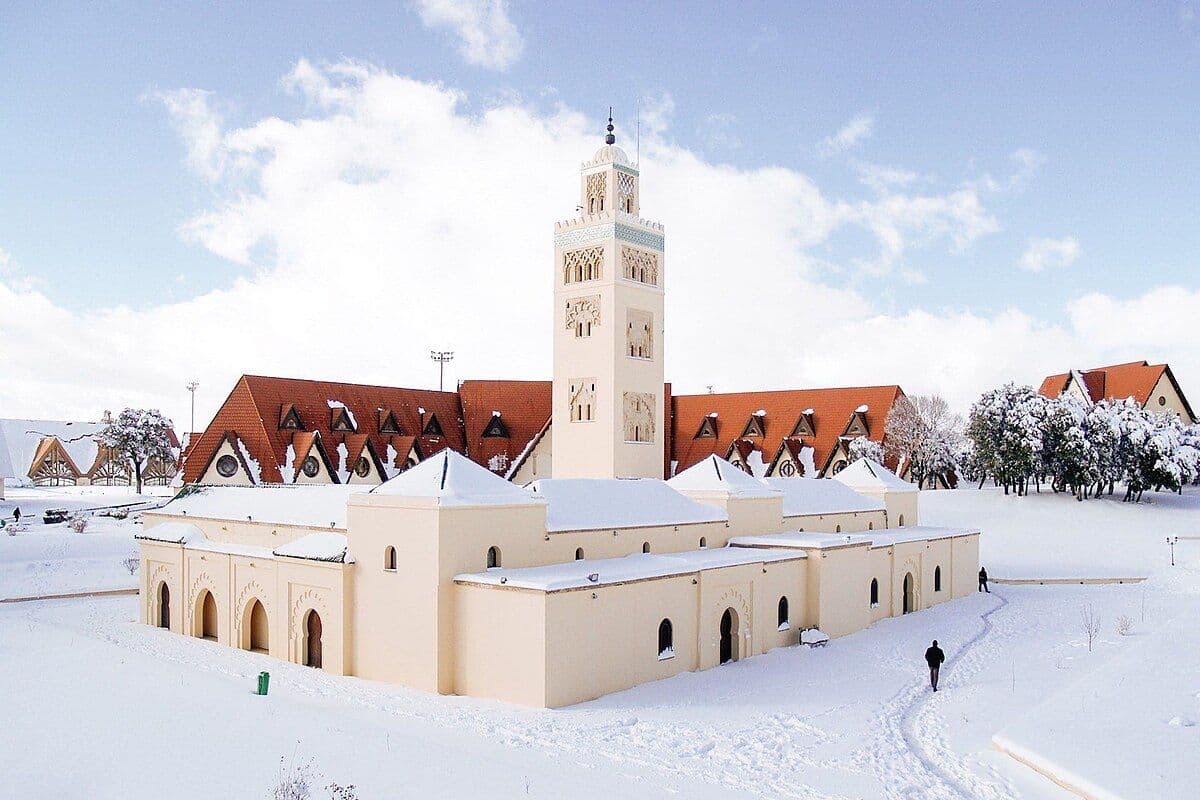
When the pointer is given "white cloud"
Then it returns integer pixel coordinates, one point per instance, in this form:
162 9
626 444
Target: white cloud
199 126
486 35
394 222
850 135
1049 253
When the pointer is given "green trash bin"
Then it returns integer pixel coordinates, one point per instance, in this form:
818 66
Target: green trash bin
264 682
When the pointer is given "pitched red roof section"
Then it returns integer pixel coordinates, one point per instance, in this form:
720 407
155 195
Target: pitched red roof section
524 407
1135 379
253 408
832 411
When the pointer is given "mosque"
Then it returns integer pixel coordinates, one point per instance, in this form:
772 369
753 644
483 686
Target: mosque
451 578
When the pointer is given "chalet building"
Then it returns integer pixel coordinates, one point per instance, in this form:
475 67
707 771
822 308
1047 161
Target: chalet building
278 430
1152 386
35 452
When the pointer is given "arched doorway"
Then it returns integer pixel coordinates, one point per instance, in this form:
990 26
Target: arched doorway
312 640
908 593
164 606
207 606
729 636
256 634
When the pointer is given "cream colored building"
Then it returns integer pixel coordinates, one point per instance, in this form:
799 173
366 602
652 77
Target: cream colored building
451 579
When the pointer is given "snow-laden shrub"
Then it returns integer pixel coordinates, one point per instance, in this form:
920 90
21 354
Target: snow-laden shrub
132 563
1124 625
78 523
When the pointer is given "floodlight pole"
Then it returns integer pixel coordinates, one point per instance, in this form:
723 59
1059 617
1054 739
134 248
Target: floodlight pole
1171 540
442 357
191 387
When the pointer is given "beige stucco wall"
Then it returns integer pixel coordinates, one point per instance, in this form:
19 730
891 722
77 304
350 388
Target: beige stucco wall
239 532
618 542
849 522
288 589
579 644
539 463
837 597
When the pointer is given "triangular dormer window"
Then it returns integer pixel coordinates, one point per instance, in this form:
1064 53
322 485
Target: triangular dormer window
388 423
708 429
289 419
495 429
805 426
755 426
857 426
341 421
432 426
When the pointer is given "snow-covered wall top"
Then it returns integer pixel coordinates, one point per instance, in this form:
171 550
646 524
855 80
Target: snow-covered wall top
802 496
818 540
19 439
639 566
584 504
315 505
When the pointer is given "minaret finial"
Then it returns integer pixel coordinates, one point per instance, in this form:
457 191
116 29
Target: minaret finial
610 139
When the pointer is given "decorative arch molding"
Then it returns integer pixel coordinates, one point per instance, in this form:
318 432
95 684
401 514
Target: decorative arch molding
911 564
250 592
312 598
201 583
160 574
732 597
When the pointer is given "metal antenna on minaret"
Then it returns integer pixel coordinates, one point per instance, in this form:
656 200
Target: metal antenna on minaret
610 139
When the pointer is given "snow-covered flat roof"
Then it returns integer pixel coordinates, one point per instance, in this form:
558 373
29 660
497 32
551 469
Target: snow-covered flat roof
882 538
584 504
171 532
317 506
317 547
805 496
637 567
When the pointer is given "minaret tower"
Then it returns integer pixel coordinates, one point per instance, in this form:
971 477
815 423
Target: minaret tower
608 328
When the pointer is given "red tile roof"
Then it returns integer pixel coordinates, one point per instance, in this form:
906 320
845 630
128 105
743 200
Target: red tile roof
832 411
1135 379
524 407
253 410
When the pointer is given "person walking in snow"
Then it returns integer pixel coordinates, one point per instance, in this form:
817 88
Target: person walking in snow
934 658
17 514
983 587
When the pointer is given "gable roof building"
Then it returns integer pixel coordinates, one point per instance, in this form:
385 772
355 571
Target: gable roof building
1152 386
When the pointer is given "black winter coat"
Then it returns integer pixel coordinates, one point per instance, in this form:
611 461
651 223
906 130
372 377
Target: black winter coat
934 657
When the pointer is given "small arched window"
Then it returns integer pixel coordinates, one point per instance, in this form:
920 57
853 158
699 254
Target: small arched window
703 542
937 579
591 205
901 520
493 557
870 526
666 640
389 558
645 547
784 622
839 529
874 591
579 554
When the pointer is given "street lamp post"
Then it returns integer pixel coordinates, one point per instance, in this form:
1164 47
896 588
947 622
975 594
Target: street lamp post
442 357
191 387
1171 540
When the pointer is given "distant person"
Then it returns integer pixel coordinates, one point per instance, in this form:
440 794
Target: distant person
934 658
17 514
983 587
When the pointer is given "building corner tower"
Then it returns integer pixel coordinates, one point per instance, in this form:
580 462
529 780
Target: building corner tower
608 411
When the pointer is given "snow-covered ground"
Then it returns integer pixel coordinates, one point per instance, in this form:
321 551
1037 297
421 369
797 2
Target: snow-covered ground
136 709
39 560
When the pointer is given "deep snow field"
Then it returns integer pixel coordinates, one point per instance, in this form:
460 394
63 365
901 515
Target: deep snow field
93 704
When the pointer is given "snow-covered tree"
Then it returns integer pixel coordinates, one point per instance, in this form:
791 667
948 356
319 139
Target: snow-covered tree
862 447
923 435
140 435
1005 428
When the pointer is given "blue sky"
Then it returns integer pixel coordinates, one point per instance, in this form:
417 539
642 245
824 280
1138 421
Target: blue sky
1074 127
